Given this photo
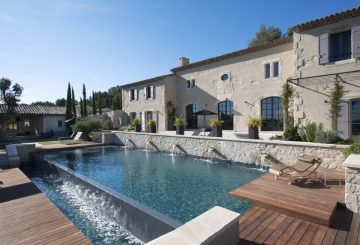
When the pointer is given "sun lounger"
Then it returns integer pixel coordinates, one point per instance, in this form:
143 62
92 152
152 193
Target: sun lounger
304 167
74 136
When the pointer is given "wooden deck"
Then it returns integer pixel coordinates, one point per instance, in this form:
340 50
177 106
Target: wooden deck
304 200
262 226
27 216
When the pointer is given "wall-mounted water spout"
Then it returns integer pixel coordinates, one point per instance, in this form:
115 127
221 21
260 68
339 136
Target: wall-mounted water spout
129 143
150 143
215 151
176 146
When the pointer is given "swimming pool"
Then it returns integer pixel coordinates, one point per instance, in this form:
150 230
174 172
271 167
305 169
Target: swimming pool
179 186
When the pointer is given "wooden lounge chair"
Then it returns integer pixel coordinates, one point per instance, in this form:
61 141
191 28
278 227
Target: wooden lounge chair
304 167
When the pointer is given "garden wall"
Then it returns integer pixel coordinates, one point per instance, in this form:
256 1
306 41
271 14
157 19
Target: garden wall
260 152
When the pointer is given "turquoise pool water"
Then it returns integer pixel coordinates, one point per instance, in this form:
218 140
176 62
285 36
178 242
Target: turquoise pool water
179 186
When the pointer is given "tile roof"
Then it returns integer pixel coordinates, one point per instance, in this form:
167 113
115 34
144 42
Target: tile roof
238 53
150 80
340 16
36 110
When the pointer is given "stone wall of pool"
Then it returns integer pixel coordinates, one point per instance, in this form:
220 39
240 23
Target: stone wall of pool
259 152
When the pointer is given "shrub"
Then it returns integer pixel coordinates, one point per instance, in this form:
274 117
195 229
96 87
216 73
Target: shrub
214 123
291 133
135 121
254 122
87 126
126 128
328 137
151 123
107 124
354 148
307 132
179 122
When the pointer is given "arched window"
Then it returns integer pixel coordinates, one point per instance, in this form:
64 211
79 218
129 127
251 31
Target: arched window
271 114
226 114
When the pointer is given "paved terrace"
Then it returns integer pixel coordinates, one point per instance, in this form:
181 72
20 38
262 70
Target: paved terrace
29 217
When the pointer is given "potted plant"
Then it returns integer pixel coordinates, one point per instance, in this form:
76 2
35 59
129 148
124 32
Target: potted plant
136 124
216 126
254 124
180 126
152 126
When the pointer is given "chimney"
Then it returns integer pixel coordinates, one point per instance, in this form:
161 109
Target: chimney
183 61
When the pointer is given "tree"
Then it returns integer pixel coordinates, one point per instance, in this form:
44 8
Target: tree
116 102
43 103
287 93
81 107
265 34
73 102
100 104
10 95
93 103
336 95
60 102
68 114
84 101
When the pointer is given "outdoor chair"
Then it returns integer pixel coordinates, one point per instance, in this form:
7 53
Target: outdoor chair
73 136
304 167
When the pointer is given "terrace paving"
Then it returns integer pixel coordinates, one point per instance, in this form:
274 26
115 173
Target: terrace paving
29 217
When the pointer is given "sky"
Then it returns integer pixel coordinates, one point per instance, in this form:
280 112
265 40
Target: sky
44 44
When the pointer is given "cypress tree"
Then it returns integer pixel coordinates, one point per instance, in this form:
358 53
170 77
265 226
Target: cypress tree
84 101
100 104
81 107
93 103
73 102
116 102
68 114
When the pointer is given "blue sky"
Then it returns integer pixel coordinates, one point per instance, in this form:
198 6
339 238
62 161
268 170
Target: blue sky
45 44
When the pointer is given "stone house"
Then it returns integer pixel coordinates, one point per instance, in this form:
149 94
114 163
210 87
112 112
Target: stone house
34 120
247 83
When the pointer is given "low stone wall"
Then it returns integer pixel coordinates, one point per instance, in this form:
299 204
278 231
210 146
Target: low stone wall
246 151
352 183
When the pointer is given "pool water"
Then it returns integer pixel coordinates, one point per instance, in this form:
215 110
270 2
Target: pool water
181 187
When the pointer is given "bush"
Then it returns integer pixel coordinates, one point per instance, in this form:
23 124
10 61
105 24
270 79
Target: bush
107 124
354 148
151 123
126 128
135 121
327 137
214 123
307 132
254 122
87 126
291 134
179 122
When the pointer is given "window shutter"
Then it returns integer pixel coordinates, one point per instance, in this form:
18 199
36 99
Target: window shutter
130 94
324 49
145 92
356 41
152 91
136 93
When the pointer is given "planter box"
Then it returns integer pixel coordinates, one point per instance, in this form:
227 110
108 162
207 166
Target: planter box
217 131
253 133
137 128
152 129
180 130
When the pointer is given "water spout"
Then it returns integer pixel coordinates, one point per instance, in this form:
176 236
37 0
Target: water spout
129 143
151 144
213 150
177 146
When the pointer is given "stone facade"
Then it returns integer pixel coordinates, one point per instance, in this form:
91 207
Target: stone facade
352 183
260 152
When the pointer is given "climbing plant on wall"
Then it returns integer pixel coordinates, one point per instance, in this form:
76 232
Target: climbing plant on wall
287 94
336 95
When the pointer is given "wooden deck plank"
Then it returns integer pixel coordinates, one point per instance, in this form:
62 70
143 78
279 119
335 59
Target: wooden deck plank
31 218
306 200
319 235
270 229
353 234
309 234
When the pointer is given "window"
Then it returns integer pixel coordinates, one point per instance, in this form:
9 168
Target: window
13 126
355 117
190 83
149 92
276 69
133 94
267 70
226 114
271 114
340 46
26 123
225 77
60 123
